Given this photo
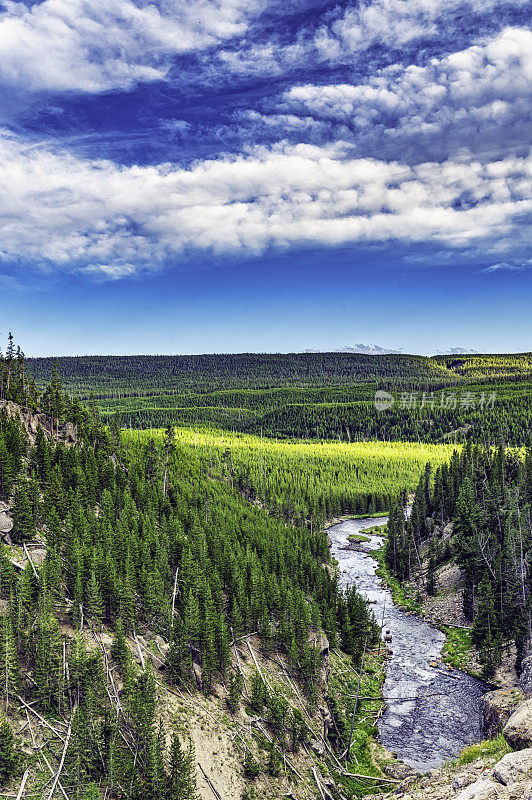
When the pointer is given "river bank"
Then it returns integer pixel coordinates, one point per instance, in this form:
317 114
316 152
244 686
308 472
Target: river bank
444 610
432 711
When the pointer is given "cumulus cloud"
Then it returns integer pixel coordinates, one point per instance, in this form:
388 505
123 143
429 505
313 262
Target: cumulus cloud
65 212
343 37
95 45
394 23
477 98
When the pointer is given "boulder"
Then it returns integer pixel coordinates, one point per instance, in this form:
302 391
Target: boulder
70 433
198 675
448 531
518 729
398 770
38 555
33 424
462 780
6 523
483 789
513 767
496 708
162 646
318 747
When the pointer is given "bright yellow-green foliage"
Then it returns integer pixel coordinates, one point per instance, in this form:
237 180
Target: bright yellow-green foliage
302 478
491 747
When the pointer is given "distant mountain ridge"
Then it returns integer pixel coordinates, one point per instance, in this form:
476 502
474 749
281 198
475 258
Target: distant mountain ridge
458 351
363 349
377 350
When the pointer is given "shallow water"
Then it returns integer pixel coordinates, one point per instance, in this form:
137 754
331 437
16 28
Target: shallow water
440 713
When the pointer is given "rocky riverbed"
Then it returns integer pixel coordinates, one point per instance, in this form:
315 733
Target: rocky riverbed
432 712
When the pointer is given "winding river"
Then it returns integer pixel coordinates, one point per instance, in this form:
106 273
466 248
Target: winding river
431 713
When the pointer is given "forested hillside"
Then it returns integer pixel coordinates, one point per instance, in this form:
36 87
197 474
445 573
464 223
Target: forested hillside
484 367
323 395
477 514
111 376
130 570
154 580
309 481
491 413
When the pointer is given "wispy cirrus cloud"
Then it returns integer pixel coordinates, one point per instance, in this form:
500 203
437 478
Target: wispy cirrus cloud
508 266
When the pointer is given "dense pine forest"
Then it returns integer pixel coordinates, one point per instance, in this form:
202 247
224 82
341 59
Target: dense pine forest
111 375
126 559
310 395
169 524
309 481
476 513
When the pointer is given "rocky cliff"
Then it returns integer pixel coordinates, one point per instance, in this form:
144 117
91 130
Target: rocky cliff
32 421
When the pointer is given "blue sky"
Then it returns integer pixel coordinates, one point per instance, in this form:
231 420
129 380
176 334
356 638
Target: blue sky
230 175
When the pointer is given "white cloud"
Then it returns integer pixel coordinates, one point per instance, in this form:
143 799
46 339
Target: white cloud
477 98
100 45
357 27
97 45
394 23
508 266
65 212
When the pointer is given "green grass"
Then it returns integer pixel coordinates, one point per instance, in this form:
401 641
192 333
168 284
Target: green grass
492 747
357 537
458 649
404 596
380 530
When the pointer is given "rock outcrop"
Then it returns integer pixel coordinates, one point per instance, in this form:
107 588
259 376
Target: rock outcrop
484 789
6 523
398 770
32 421
518 729
509 778
487 777
525 679
513 767
496 708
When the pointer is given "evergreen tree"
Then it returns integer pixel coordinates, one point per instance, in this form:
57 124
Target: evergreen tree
181 780
48 658
6 471
485 633
9 755
119 650
431 567
23 519
94 598
9 666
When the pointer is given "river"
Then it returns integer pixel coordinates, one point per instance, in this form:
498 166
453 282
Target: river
440 713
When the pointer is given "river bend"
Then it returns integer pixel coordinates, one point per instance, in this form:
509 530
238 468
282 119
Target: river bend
439 714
